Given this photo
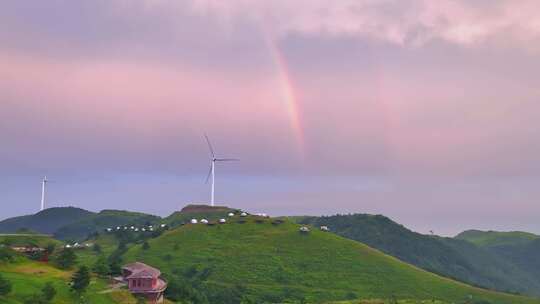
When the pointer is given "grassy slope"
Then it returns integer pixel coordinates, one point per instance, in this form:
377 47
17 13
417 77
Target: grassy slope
449 257
323 266
28 240
98 222
29 277
496 238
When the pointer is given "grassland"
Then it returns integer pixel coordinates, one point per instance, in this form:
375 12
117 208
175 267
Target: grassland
29 277
321 266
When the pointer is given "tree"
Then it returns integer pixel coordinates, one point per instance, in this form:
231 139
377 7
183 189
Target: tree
101 267
80 280
5 286
66 258
115 267
50 248
97 248
48 291
145 245
6 254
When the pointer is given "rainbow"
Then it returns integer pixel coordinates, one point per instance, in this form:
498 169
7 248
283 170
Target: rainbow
287 94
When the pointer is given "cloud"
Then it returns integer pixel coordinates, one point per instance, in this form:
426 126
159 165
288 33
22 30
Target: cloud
403 22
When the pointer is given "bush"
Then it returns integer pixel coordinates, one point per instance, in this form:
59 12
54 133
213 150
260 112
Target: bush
66 258
6 254
101 267
80 280
50 248
97 248
5 286
48 291
145 245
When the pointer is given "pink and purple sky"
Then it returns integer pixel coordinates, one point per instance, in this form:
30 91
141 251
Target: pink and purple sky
424 111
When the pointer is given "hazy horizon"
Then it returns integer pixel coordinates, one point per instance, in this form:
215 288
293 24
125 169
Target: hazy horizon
424 112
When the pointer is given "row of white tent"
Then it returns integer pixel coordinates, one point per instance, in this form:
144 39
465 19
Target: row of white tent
306 228
223 221
77 245
136 229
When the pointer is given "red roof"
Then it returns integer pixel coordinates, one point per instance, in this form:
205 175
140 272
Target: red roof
141 270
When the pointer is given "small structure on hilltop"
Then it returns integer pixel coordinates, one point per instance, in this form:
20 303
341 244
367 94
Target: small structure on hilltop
204 221
194 221
325 228
243 214
144 280
222 221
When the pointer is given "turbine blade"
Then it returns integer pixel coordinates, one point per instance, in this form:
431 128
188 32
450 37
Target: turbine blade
210 146
209 174
227 159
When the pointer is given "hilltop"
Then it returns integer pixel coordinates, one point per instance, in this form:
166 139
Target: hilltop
453 258
199 211
496 238
47 221
274 262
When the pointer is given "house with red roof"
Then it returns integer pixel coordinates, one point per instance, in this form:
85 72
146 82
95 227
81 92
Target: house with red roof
144 280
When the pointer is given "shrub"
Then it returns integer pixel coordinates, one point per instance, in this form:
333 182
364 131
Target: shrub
48 291
80 280
5 286
66 258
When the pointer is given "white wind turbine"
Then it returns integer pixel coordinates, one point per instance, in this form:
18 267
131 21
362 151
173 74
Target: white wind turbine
212 172
43 186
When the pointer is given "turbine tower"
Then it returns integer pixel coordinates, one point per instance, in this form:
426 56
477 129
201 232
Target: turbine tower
43 185
212 172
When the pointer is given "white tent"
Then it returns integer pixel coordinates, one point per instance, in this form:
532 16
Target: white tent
194 221
304 229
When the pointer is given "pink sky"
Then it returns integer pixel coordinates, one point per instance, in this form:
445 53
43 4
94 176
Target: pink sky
424 112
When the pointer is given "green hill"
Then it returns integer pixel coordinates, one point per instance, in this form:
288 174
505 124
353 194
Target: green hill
46 221
519 248
98 222
275 262
449 257
496 238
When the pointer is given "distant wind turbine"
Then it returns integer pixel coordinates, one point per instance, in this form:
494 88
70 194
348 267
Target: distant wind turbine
43 186
212 172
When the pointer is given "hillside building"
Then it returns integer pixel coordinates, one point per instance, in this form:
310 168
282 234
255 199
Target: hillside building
144 280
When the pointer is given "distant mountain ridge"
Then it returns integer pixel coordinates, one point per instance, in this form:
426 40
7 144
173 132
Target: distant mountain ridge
47 221
496 238
520 248
74 223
